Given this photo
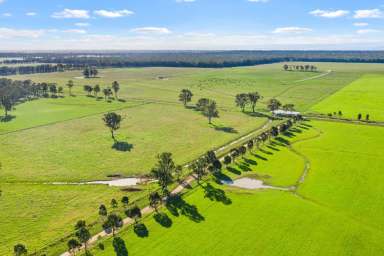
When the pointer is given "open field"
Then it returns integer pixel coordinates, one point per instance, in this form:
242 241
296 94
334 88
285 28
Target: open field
365 96
65 140
334 212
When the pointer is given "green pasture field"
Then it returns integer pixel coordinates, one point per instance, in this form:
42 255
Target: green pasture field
335 211
365 96
40 215
65 139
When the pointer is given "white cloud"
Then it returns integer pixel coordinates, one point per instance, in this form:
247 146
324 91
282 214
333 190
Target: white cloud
71 14
365 14
291 30
152 30
2 1
31 14
15 33
113 14
367 31
258 1
329 14
7 14
360 24
82 24
75 31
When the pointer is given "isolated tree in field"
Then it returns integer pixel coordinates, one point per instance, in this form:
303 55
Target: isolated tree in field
96 90
113 203
289 107
285 67
20 249
253 98
70 85
7 104
163 171
107 93
103 210
199 168
125 201
227 160
83 235
241 100
340 113
273 104
112 121
217 165
367 117
185 96
359 116
154 200
73 245
115 88
201 104
134 213
210 110
113 222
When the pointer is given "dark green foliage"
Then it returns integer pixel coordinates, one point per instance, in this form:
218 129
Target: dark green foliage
227 160
112 121
19 250
185 96
163 170
125 201
154 200
103 210
134 213
242 100
119 247
273 104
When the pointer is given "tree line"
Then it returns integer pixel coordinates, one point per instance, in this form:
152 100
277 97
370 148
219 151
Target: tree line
203 59
302 68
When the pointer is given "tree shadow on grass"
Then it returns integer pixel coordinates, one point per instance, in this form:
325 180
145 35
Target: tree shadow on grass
273 148
122 146
225 129
250 161
141 230
216 194
266 151
244 167
6 119
260 157
178 206
221 177
257 114
163 219
122 100
233 170
283 142
120 247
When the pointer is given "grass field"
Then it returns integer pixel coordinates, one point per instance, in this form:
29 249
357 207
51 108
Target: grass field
334 213
65 140
365 96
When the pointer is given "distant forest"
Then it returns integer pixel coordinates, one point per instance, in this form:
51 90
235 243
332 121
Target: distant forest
61 61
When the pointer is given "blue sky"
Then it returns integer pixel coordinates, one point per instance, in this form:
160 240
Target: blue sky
191 24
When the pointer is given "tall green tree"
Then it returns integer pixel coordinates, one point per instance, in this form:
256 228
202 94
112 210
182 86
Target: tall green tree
83 235
254 97
154 200
241 100
273 104
107 93
125 201
115 88
185 96
134 213
112 121
6 104
199 168
113 222
73 245
210 110
70 85
96 90
163 171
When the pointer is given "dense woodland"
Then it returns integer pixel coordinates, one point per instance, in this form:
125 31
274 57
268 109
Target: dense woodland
204 59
